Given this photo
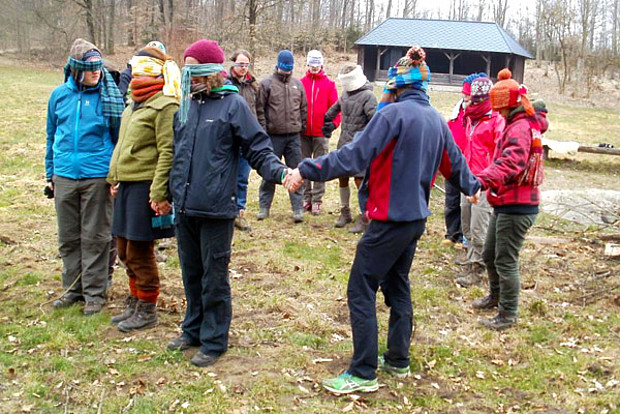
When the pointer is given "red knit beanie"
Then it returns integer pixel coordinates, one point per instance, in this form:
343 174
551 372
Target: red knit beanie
205 51
507 93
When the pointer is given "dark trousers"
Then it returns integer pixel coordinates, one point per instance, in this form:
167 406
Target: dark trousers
452 213
504 240
313 147
289 147
383 259
84 211
141 268
204 251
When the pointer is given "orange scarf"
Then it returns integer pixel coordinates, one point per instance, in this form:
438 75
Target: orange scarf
143 89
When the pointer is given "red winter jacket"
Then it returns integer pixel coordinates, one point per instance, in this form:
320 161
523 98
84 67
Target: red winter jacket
321 94
482 135
457 126
501 178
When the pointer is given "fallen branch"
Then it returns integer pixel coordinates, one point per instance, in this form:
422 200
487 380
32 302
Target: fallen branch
100 408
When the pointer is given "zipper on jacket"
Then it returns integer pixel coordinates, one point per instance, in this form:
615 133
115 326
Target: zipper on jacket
78 115
190 155
311 108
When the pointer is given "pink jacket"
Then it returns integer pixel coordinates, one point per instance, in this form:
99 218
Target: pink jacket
481 137
321 93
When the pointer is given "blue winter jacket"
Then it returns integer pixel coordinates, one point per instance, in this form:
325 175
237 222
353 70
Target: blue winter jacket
80 139
203 179
401 149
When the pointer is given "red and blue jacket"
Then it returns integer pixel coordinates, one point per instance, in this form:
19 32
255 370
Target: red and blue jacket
401 148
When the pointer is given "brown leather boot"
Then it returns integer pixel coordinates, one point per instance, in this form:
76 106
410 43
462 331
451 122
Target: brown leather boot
144 317
360 225
473 275
345 217
130 309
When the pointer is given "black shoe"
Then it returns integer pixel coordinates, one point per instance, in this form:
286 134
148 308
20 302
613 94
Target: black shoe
180 344
92 307
202 360
65 302
487 302
500 322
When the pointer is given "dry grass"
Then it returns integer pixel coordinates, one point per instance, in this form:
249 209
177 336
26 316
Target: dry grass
290 326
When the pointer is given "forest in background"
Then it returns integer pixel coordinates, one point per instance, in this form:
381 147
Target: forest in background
580 37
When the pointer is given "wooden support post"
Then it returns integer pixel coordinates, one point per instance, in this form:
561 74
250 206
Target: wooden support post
451 57
487 59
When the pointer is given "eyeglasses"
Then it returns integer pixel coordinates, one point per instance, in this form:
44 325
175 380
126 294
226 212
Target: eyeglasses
241 65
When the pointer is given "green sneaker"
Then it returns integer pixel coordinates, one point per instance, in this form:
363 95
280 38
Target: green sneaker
392 370
346 383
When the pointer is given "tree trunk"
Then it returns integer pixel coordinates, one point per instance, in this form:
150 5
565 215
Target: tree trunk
131 28
88 6
110 43
388 11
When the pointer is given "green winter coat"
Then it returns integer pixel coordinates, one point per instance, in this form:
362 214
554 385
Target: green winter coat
144 148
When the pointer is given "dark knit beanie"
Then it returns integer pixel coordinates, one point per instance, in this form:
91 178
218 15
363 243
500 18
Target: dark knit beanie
286 60
205 51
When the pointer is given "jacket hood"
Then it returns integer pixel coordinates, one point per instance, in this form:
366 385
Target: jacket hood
540 115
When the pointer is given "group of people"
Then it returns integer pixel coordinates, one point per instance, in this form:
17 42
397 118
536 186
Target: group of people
176 159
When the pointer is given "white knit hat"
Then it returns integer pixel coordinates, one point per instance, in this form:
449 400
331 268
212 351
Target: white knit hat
353 80
315 58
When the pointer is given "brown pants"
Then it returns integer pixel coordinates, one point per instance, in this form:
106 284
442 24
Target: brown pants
139 259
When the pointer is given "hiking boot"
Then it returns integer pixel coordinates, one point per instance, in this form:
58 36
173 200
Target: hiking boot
181 344
263 213
298 216
241 223
472 276
392 370
202 360
316 209
307 206
499 322
360 225
130 309
345 217
144 317
65 302
346 383
92 307
487 302
461 260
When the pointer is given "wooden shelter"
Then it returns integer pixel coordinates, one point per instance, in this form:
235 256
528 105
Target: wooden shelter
454 49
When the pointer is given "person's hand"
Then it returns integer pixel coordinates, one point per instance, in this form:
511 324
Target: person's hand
328 128
161 208
48 191
474 199
293 180
114 189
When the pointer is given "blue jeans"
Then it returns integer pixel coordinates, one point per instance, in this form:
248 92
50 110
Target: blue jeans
243 173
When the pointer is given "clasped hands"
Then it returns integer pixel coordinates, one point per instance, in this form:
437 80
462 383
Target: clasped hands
474 199
293 180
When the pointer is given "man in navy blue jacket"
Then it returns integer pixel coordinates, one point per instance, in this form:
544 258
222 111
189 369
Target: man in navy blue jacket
401 149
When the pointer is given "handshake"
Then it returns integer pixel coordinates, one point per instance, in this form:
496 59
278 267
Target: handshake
292 180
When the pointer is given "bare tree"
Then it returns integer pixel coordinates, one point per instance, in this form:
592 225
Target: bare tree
500 7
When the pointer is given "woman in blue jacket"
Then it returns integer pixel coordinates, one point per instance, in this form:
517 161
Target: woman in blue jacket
82 124
213 124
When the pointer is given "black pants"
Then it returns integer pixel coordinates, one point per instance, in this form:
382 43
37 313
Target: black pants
288 146
204 251
383 259
452 213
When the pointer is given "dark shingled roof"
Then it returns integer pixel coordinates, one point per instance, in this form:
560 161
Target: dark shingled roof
443 34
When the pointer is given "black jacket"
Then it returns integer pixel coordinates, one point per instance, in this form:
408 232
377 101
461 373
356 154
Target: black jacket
357 108
203 179
248 89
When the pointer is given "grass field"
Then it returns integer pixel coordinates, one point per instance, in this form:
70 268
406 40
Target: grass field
290 328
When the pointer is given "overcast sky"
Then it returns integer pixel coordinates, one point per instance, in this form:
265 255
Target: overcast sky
515 7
